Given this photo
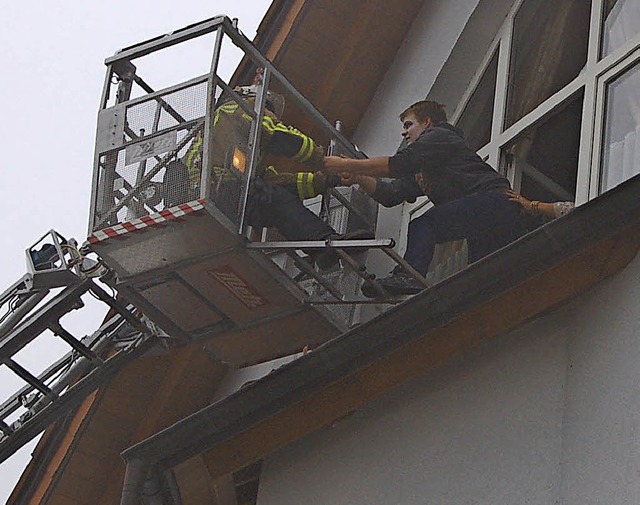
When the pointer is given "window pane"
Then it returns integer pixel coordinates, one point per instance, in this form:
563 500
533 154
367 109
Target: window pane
621 151
477 116
549 49
621 23
545 157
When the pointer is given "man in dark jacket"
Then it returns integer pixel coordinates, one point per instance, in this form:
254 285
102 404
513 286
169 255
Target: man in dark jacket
470 198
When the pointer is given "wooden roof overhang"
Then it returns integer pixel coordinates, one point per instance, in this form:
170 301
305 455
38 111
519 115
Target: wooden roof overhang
522 281
335 53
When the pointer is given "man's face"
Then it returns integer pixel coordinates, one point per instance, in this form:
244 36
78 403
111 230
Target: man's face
412 128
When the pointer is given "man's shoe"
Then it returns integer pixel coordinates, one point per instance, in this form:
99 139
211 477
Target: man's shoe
369 290
303 275
397 283
328 258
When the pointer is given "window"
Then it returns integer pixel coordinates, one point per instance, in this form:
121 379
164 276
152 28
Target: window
569 118
621 141
549 49
545 157
621 21
477 115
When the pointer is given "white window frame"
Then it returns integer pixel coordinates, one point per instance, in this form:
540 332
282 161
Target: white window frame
592 80
608 75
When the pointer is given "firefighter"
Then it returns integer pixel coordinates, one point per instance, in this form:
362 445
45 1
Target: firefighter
275 199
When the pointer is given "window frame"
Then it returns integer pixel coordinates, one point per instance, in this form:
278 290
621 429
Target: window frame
593 80
605 78
494 49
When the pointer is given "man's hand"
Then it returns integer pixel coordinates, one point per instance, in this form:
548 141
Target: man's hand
334 164
366 183
348 179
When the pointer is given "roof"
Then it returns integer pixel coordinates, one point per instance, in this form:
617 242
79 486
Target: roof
334 52
540 271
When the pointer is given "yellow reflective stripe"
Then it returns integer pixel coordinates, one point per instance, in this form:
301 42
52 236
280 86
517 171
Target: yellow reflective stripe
270 125
300 185
229 108
216 117
310 190
309 151
271 169
306 150
193 155
304 185
193 150
267 122
305 145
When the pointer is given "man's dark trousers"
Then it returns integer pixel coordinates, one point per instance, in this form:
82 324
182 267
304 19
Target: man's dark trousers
487 220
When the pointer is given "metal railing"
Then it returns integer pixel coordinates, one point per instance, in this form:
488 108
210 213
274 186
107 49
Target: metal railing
140 136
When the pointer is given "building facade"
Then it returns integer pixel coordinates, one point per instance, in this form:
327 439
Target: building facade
548 413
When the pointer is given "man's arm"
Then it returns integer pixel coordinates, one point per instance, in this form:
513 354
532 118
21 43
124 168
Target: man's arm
386 192
374 167
283 140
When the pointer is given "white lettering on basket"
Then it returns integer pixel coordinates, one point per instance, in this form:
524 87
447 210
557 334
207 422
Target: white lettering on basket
238 287
147 148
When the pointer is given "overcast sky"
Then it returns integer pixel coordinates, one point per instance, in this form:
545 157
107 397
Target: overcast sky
52 67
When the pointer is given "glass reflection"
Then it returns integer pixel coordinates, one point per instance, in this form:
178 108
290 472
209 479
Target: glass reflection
476 119
621 152
545 156
621 23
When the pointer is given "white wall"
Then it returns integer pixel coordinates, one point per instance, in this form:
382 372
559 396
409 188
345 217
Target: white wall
547 414
413 72
602 434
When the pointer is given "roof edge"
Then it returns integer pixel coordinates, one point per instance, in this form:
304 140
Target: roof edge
537 260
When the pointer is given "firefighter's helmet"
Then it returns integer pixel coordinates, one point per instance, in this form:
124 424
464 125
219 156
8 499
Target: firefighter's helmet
275 101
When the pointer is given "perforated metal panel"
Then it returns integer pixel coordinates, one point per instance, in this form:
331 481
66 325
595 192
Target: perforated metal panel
147 170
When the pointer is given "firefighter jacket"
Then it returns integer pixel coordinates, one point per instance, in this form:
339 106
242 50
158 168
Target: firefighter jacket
231 130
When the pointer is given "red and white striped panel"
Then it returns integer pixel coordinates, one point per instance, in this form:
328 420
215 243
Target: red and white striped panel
146 221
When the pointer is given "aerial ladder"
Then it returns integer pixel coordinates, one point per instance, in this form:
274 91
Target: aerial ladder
169 262
59 275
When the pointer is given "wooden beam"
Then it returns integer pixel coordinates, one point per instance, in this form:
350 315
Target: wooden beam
196 485
179 393
287 25
351 43
56 466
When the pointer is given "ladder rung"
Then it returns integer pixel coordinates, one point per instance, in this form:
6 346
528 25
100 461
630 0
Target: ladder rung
383 243
5 428
27 376
75 343
14 402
